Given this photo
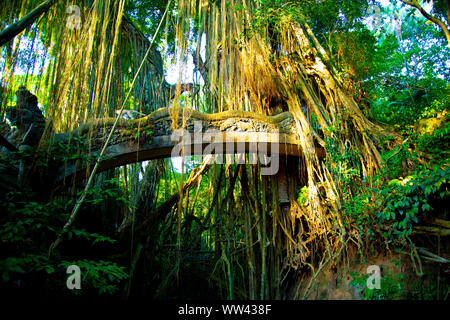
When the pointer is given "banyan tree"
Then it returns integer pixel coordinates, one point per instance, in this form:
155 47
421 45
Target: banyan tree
99 80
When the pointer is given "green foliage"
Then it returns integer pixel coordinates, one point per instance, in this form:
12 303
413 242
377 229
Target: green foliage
271 13
27 218
359 213
411 73
24 264
112 191
425 291
92 237
391 287
397 160
328 15
354 53
73 148
147 14
435 146
145 133
104 276
342 160
303 195
27 229
396 287
435 108
406 200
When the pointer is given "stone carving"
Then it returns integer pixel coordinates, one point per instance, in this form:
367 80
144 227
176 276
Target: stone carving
27 118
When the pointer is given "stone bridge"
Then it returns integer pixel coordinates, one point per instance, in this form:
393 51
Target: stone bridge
155 136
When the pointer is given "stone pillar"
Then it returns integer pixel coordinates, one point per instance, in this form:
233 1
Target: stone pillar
283 190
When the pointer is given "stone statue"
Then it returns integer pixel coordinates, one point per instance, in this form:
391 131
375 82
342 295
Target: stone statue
28 119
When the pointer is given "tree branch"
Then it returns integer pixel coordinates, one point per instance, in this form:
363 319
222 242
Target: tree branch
439 23
14 29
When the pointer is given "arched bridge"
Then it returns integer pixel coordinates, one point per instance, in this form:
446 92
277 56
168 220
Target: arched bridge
155 136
